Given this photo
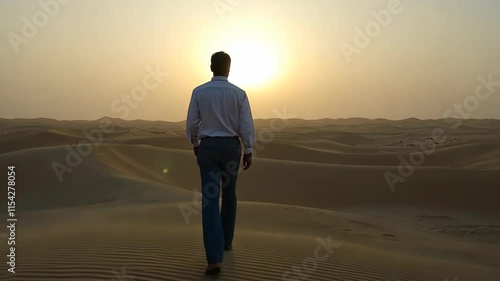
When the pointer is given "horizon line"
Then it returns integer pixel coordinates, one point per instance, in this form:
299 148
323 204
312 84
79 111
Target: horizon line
302 119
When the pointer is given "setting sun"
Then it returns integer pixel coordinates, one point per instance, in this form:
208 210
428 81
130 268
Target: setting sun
255 58
253 63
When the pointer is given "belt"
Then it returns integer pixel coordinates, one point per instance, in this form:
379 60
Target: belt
208 137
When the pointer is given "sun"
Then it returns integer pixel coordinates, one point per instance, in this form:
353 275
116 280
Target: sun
255 58
253 63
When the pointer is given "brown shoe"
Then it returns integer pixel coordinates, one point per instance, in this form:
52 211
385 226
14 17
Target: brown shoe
213 269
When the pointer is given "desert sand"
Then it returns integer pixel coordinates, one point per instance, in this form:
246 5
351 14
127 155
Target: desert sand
316 204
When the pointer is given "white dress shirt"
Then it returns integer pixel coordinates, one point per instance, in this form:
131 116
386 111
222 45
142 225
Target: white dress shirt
220 109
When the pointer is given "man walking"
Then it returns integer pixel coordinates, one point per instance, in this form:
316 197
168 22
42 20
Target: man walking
218 116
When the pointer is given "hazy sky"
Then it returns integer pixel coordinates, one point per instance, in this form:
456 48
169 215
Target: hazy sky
90 58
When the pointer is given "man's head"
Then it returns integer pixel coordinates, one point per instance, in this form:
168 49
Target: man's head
220 64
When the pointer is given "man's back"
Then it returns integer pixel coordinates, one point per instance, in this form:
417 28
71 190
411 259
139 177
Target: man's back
220 109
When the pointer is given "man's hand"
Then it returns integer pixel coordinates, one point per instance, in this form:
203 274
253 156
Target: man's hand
195 149
247 161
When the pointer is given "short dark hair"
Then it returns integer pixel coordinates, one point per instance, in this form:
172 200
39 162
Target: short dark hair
221 63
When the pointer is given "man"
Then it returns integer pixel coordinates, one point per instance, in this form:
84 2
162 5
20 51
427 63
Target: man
219 115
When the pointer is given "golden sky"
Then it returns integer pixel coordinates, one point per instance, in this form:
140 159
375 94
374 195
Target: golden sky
84 59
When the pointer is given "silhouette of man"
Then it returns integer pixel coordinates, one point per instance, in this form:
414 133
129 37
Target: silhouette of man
219 115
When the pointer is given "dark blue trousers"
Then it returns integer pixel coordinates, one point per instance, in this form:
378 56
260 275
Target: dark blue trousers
219 160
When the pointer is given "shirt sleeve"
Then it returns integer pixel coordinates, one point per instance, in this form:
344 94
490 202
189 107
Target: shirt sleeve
246 125
193 121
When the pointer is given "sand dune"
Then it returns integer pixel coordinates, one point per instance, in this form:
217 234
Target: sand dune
130 209
155 243
302 183
88 183
32 138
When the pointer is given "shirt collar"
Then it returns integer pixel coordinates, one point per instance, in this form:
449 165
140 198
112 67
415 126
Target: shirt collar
219 78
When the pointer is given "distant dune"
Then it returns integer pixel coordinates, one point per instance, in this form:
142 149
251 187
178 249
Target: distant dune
130 208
